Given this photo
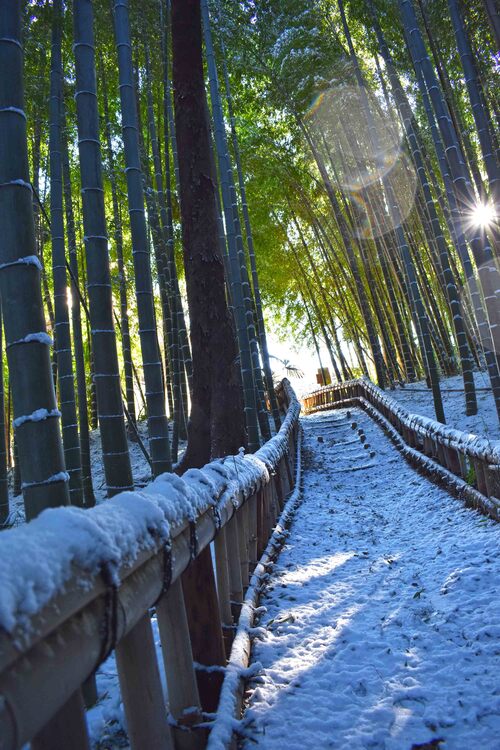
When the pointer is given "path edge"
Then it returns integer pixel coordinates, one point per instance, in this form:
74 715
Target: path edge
229 710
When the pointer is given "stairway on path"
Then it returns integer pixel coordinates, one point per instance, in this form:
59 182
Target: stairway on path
383 613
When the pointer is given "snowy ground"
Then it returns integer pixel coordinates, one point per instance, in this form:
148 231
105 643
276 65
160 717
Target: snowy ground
383 614
141 470
417 398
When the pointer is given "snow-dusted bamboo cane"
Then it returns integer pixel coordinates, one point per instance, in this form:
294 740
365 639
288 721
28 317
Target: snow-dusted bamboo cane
45 481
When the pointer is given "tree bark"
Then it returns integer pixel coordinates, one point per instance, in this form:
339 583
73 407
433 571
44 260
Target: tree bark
216 424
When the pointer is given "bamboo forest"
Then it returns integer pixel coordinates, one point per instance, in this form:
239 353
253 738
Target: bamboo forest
250 376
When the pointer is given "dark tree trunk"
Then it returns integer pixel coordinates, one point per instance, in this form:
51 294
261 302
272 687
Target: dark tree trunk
238 278
216 425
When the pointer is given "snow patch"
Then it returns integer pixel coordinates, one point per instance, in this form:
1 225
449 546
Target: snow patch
39 415
37 560
39 337
394 641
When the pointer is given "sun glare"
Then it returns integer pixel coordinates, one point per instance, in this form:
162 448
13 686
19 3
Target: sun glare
483 215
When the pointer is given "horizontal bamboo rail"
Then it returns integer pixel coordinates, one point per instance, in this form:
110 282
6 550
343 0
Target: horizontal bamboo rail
104 568
231 699
469 465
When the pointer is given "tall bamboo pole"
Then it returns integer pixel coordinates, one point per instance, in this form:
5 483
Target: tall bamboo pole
36 417
451 288
238 292
261 328
76 320
151 362
64 351
107 376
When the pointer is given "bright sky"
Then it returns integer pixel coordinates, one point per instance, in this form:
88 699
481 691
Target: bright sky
302 357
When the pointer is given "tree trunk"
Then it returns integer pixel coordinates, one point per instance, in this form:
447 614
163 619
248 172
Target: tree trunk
216 408
107 376
480 118
153 375
239 290
76 319
64 351
122 277
487 271
216 425
45 481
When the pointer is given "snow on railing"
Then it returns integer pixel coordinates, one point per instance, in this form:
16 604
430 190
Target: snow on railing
75 584
470 464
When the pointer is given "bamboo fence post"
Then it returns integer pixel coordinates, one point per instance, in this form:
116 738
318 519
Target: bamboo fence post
178 660
252 530
278 493
428 446
261 521
89 691
272 511
480 476
278 502
452 460
286 477
223 587
266 513
66 729
492 478
440 453
233 556
464 465
141 689
243 544
205 627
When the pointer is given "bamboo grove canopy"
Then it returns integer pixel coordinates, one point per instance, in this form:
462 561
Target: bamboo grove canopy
328 169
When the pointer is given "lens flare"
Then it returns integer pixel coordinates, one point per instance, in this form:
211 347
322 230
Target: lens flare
361 144
483 215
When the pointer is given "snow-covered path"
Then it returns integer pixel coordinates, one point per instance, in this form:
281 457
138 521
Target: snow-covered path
383 614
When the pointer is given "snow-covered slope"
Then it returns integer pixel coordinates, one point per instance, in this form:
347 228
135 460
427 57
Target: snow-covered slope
417 398
383 612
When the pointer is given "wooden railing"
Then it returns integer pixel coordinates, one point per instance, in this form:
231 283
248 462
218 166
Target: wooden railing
76 584
469 465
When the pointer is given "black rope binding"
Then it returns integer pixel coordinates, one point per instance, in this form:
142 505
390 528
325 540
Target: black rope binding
217 518
167 566
110 624
193 540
